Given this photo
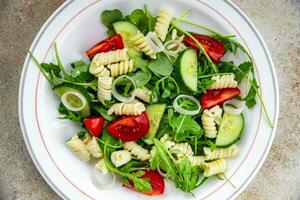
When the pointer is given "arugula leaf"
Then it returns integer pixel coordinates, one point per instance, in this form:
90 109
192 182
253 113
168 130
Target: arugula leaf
151 20
103 112
243 68
183 127
141 78
67 114
80 72
139 18
161 66
203 83
108 17
250 98
166 89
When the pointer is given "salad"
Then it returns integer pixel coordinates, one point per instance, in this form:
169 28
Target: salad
155 101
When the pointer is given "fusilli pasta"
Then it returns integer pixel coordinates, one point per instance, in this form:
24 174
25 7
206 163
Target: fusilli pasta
137 150
215 167
104 92
121 157
121 68
131 108
93 147
223 81
78 148
217 111
182 149
196 160
139 41
163 23
99 71
109 57
209 125
101 166
220 153
144 94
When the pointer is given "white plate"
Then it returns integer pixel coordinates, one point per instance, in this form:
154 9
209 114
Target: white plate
75 27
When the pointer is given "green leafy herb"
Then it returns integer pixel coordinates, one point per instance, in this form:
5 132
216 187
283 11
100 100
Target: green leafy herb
141 78
103 112
166 89
161 66
80 72
250 98
203 84
108 17
67 114
243 69
139 18
151 20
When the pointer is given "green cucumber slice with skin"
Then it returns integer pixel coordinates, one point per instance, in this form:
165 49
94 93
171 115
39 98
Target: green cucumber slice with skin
63 88
126 29
186 68
231 129
155 113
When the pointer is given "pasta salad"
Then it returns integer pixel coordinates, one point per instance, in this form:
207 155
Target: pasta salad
155 101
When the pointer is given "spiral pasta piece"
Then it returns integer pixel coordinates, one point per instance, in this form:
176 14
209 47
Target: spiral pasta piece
182 149
121 68
163 23
196 160
215 167
209 125
137 150
132 108
217 111
144 94
140 42
220 152
93 147
104 92
121 157
109 57
77 146
223 81
101 166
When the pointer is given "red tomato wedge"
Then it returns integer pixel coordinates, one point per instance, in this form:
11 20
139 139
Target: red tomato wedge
156 181
216 97
129 128
213 47
94 125
112 43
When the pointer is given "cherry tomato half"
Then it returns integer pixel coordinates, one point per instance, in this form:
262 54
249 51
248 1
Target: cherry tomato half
215 97
94 125
156 181
213 47
112 43
129 128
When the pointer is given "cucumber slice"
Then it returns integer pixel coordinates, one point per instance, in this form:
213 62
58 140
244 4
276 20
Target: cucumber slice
64 88
126 29
230 130
155 113
186 68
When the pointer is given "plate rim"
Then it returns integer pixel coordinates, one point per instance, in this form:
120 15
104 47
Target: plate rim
65 5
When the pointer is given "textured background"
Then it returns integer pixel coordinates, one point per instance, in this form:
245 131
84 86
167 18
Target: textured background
277 20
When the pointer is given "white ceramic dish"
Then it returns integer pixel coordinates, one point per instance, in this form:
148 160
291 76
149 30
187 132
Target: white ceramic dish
75 27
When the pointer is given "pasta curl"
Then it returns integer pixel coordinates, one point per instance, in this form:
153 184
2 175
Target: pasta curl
121 68
215 167
104 92
220 153
131 108
93 147
140 42
101 166
182 149
217 111
223 81
196 160
77 146
137 150
109 57
209 125
144 94
163 23
99 71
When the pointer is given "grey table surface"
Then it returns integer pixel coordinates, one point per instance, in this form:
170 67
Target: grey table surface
277 20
